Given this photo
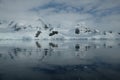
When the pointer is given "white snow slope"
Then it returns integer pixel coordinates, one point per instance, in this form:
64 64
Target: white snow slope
37 29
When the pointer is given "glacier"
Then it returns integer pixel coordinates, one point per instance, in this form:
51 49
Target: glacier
38 29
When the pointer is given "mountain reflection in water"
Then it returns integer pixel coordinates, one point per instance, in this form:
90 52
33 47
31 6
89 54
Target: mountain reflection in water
60 60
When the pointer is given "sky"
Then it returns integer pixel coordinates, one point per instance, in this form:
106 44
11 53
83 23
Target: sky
101 14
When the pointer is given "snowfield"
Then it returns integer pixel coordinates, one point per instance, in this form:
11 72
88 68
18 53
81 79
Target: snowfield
39 30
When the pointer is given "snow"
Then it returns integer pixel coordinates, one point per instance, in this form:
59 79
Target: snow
27 30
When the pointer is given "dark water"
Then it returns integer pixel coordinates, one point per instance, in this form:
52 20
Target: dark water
59 60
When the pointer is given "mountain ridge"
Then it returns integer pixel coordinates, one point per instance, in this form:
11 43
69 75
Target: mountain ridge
38 29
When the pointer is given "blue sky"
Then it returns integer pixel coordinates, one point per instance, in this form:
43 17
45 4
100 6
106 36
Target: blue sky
103 14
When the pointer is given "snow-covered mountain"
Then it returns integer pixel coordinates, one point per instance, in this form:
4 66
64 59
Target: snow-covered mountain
38 29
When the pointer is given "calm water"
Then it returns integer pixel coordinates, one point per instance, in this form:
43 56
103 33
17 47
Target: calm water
59 60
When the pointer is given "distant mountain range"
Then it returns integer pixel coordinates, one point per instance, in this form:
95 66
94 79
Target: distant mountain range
10 29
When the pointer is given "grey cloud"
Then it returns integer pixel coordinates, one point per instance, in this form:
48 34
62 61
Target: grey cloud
93 12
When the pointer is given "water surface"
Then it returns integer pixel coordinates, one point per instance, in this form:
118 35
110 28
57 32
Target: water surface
59 60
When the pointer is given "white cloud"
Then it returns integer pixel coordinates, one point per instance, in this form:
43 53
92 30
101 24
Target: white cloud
109 4
19 8
110 23
92 12
67 19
